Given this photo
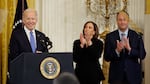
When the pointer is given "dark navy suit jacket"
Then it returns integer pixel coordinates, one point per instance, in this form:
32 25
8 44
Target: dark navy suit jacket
19 43
127 63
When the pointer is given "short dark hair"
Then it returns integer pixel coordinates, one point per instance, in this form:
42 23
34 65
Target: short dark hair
95 28
66 78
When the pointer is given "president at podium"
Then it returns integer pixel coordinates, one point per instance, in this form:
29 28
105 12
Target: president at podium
28 39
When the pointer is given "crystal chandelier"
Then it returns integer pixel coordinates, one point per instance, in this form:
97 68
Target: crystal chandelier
104 12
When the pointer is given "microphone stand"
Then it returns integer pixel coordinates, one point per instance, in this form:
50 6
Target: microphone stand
45 42
48 43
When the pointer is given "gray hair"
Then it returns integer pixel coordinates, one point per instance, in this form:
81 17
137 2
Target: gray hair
29 10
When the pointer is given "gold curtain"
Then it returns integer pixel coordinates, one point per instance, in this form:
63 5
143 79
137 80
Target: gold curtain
7 13
7 10
147 7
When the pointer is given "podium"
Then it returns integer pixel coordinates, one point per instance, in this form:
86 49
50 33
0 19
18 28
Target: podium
26 68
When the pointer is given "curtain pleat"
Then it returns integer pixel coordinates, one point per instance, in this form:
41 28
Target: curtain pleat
7 13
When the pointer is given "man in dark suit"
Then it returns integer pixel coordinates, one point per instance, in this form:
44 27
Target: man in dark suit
123 48
27 39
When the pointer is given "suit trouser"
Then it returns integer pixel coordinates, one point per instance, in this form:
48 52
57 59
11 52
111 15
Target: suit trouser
119 82
124 81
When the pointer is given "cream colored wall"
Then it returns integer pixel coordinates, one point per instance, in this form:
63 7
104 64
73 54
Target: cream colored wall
147 46
136 10
62 21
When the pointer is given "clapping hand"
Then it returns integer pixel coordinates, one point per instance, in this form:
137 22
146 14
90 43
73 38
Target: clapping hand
126 44
82 40
123 44
85 40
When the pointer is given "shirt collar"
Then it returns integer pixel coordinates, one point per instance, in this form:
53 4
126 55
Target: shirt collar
27 30
125 32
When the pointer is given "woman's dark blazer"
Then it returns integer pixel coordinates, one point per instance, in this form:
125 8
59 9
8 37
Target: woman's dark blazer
88 67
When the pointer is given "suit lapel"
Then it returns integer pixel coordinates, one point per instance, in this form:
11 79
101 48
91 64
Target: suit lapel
131 37
38 38
117 37
129 34
26 41
37 41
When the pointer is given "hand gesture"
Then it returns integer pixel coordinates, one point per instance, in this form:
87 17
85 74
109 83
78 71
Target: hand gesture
126 44
82 40
120 46
88 40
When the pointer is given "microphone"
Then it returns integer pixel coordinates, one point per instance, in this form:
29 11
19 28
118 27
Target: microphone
41 40
45 41
48 43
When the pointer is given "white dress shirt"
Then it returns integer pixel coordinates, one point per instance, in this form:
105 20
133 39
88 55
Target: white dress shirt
126 33
28 34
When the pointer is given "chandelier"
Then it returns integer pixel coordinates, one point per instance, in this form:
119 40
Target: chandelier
104 12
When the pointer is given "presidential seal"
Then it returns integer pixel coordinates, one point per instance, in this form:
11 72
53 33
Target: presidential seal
50 68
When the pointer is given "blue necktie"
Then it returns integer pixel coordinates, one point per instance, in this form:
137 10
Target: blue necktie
32 42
